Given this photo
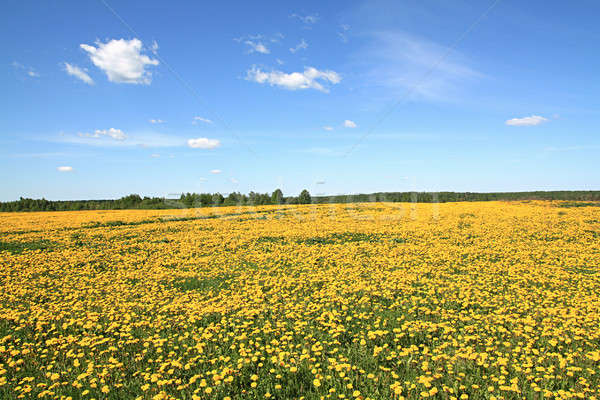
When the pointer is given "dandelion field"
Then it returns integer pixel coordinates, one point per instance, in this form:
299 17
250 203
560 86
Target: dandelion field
482 300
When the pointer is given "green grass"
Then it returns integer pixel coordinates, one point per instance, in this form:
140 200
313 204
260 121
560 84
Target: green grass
19 247
344 237
569 204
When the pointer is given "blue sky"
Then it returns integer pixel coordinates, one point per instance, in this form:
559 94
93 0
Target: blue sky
337 97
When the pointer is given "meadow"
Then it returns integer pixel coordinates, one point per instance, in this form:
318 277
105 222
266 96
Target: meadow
478 300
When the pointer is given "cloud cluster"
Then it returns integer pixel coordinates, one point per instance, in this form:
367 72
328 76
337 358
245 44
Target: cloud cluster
78 73
526 121
310 78
203 143
122 60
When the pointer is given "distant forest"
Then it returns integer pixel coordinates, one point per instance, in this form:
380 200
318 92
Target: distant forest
189 200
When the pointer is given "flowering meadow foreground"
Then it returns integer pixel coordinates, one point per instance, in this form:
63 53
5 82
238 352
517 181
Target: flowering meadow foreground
485 300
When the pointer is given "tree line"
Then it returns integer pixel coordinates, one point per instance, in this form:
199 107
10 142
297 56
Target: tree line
134 201
189 200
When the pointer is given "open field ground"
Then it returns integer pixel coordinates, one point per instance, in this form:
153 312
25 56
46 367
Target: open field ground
383 301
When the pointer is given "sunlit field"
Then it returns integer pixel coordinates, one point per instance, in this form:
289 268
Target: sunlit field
484 300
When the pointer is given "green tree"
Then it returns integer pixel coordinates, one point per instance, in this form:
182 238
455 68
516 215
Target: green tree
304 197
277 197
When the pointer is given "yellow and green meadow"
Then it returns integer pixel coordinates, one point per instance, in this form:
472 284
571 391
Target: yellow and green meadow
486 300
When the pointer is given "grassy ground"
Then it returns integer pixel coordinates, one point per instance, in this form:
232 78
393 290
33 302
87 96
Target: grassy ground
382 301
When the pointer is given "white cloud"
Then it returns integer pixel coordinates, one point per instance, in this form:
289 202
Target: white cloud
306 19
215 171
146 139
328 128
526 121
121 60
349 124
201 119
156 121
77 72
320 182
279 61
116 134
300 46
234 181
202 179
257 47
64 169
309 79
203 143
256 44
155 155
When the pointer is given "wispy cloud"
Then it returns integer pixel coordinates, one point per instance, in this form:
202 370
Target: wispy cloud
64 168
201 119
136 139
527 121
215 171
113 133
300 46
78 73
310 78
257 47
328 128
154 48
157 121
29 71
343 33
306 19
322 151
552 149
256 43
349 124
203 143
122 60
407 64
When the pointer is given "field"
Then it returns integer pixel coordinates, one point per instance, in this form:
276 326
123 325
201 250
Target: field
491 300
